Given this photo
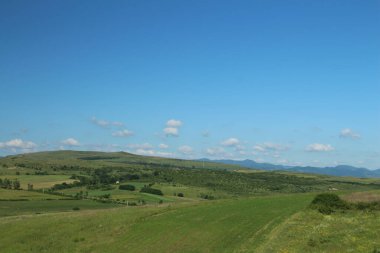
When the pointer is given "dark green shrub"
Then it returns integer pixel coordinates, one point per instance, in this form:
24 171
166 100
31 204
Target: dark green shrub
127 187
151 190
76 208
180 194
328 203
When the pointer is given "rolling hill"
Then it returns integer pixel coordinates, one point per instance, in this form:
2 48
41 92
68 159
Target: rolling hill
340 170
193 206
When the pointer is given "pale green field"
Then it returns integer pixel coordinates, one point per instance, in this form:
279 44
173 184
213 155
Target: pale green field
39 181
25 195
310 231
209 226
170 192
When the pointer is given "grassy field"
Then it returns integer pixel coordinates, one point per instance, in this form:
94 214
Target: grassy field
223 209
39 181
217 226
13 195
310 231
14 208
170 191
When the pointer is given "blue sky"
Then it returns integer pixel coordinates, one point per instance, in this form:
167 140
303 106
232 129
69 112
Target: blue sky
287 82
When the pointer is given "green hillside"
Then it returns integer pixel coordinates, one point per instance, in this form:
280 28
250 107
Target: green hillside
68 201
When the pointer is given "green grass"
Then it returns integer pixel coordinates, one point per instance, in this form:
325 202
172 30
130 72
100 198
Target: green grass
170 191
13 208
277 221
25 195
214 226
39 181
310 231
77 159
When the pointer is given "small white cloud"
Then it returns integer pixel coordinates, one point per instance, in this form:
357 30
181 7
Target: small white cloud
186 150
105 123
348 133
217 151
269 146
231 142
122 133
70 142
172 127
174 123
259 148
145 152
163 146
151 152
17 144
317 147
171 131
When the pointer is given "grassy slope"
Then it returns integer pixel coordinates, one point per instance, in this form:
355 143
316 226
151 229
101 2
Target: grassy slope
101 159
39 181
310 231
12 208
219 226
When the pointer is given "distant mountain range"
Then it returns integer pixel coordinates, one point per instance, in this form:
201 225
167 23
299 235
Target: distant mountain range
340 170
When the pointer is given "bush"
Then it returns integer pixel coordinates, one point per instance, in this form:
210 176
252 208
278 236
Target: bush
127 187
151 191
76 208
328 203
180 194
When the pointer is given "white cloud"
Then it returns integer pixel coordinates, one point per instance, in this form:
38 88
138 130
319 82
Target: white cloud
217 151
348 133
186 150
174 123
17 144
269 146
231 142
171 131
105 123
122 133
70 142
141 151
151 152
259 148
317 147
172 127
163 146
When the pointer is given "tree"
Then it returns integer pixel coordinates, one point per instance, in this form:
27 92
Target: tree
30 187
127 187
16 184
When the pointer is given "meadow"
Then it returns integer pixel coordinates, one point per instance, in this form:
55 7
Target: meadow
83 208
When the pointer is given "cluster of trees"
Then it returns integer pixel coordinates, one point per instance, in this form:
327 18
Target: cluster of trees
10 184
327 203
150 190
127 187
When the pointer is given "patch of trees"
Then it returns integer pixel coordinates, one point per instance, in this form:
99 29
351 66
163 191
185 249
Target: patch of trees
206 196
328 203
65 185
127 187
10 184
150 190
40 172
